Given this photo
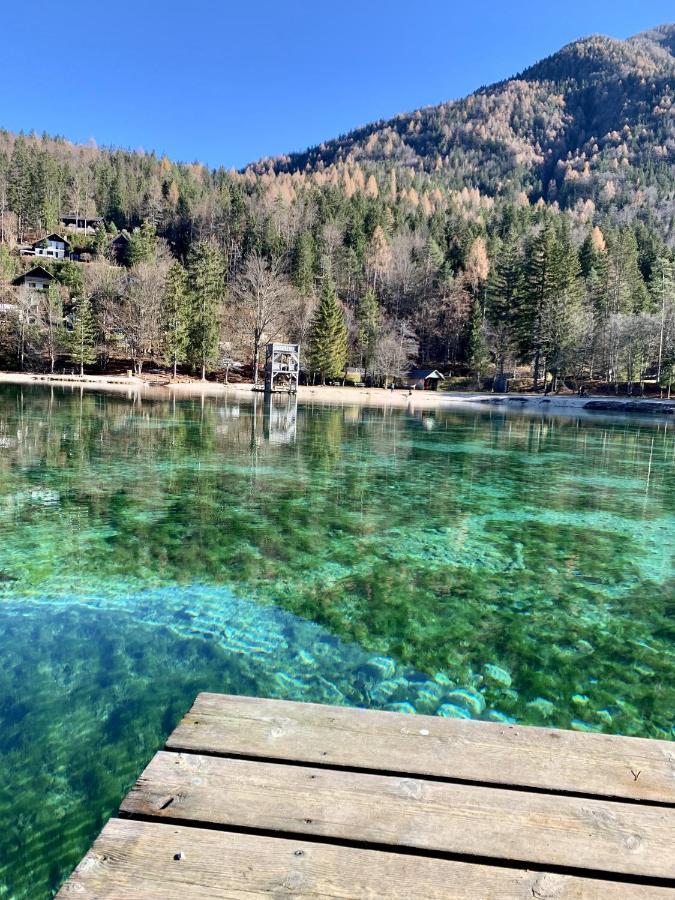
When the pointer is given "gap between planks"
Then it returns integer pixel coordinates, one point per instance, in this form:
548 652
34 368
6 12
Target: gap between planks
137 861
487 822
555 761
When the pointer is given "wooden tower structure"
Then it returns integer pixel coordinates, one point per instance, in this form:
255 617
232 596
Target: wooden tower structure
282 368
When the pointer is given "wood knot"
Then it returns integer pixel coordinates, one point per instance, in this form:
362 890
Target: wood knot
633 841
411 788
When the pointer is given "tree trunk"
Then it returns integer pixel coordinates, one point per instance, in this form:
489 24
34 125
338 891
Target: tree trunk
256 358
535 372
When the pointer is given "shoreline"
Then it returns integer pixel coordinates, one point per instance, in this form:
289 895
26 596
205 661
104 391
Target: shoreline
380 397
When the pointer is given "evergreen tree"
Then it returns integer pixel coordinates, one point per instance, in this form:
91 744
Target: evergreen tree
176 316
562 309
368 317
142 246
206 288
83 335
19 185
540 287
504 292
304 262
476 348
662 288
328 335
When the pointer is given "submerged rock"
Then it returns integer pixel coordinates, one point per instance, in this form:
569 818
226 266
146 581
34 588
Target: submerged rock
544 707
450 711
384 690
402 708
469 700
497 675
578 725
381 665
493 715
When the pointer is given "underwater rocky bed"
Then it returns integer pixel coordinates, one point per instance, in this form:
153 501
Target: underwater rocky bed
468 564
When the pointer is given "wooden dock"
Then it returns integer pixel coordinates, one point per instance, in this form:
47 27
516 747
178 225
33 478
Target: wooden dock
267 798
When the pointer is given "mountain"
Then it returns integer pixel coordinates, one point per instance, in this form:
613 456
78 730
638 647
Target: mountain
594 121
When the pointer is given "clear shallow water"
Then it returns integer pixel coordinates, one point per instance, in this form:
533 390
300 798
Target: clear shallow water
466 564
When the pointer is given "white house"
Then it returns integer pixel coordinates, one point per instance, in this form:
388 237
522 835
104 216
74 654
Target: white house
37 279
53 247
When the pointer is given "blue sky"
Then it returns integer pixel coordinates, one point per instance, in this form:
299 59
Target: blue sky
226 83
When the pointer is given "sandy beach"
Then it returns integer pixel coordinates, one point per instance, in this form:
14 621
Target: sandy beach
157 387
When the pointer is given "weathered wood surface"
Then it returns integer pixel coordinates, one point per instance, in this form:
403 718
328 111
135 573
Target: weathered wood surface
135 861
303 800
406 812
554 760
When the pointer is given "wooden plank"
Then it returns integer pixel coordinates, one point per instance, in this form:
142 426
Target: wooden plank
567 761
136 861
400 811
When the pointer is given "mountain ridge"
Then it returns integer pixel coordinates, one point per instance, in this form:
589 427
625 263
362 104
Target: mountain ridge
598 107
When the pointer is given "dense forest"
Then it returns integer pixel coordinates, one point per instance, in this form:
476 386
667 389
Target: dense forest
529 227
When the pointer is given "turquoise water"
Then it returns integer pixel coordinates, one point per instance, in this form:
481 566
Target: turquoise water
468 564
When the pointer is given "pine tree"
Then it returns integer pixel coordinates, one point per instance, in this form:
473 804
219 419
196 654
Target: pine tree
83 335
476 349
504 293
328 335
19 185
175 315
541 284
662 287
563 307
304 262
368 317
206 288
142 246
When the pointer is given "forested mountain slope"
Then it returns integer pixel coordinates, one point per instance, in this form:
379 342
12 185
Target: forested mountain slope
595 121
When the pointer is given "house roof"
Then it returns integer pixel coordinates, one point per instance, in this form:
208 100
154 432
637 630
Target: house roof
51 237
77 217
425 373
36 272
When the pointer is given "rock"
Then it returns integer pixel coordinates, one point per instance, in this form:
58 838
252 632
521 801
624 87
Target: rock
402 708
497 675
544 707
469 700
450 711
383 690
381 665
493 715
428 697
578 725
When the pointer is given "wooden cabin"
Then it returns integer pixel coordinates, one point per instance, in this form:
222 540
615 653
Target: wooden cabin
425 379
54 246
36 279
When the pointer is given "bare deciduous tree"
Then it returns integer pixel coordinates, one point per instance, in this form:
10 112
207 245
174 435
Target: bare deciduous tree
262 303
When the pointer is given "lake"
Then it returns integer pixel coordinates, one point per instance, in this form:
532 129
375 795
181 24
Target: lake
478 563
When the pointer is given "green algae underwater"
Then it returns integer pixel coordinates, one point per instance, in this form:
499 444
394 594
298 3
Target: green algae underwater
475 564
